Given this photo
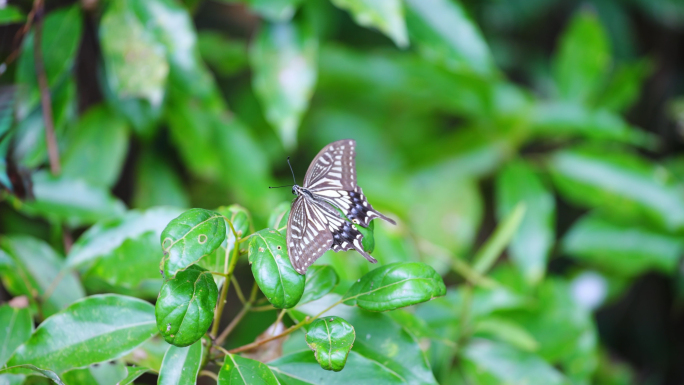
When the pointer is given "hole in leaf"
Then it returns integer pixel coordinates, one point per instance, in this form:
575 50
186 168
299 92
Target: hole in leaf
202 238
279 247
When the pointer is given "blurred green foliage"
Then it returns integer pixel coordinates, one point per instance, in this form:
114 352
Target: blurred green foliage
508 138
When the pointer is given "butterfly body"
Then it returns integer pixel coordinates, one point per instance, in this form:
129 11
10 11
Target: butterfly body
315 225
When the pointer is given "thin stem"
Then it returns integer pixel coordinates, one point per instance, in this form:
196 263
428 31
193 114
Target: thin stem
45 100
238 290
228 271
243 239
208 373
233 324
263 308
280 318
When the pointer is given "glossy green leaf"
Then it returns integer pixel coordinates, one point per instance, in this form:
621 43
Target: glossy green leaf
107 236
185 307
158 183
10 14
32 369
181 365
279 216
113 323
59 54
530 247
509 365
186 239
445 34
320 280
283 58
72 201
96 148
132 268
30 267
583 57
621 184
17 326
302 368
132 374
627 250
379 340
385 15
277 279
134 60
625 85
396 285
244 371
331 339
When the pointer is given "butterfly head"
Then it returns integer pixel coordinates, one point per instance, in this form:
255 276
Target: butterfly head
295 190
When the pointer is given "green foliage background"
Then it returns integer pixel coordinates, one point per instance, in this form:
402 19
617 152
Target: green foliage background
530 151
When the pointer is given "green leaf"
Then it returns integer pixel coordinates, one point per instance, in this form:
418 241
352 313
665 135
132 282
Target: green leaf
107 236
283 58
509 365
368 241
239 217
10 14
445 34
185 307
17 327
331 339
96 148
320 280
273 10
506 331
186 239
302 368
149 355
621 184
131 269
113 323
238 370
279 216
227 57
157 183
181 365
277 279
59 45
627 250
106 373
384 352
135 62
551 120
394 286
132 373
73 201
30 267
531 244
583 58
625 85
31 369
385 15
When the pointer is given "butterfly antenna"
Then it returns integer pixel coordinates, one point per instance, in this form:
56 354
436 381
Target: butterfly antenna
287 185
293 176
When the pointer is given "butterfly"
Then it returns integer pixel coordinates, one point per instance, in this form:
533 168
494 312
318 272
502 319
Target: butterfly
315 225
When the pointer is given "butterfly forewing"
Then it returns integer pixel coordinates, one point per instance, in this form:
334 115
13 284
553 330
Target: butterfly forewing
308 234
333 168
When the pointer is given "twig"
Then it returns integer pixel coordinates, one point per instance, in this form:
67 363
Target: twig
233 324
45 100
208 373
238 290
280 318
227 271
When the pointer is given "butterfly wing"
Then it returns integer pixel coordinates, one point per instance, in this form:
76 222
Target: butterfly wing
308 234
332 177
